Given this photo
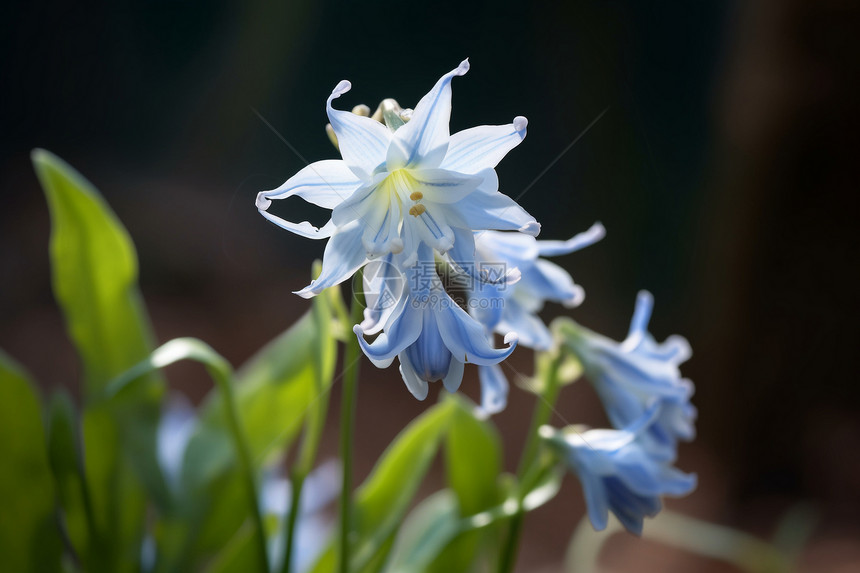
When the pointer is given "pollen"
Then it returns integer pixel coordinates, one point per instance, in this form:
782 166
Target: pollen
416 195
416 210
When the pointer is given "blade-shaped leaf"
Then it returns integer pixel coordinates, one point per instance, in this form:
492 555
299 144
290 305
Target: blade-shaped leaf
473 456
94 274
29 538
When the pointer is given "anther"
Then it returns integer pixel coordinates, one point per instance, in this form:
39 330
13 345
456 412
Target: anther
416 195
416 210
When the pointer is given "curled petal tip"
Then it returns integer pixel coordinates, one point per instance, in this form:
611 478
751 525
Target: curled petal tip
645 297
511 338
358 330
341 88
531 228
397 246
307 292
463 67
520 124
599 230
577 296
262 201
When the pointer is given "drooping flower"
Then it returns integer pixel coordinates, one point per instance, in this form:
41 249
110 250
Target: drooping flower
632 375
619 472
396 189
508 306
540 281
432 337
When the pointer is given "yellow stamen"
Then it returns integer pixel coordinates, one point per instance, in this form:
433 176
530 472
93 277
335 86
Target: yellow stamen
416 195
416 210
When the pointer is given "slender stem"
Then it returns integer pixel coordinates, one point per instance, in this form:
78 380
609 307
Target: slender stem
314 422
351 360
245 465
544 404
296 482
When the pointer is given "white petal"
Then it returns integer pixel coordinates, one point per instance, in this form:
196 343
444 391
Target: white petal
579 241
428 129
441 185
344 254
365 198
324 183
482 147
382 233
487 209
363 141
432 228
303 229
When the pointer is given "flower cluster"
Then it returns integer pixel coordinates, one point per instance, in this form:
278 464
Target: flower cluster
407 196
449 262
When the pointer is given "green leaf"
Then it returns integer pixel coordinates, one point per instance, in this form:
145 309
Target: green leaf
430 527
382 500
64 454
437 538
94 272
29 538
473 456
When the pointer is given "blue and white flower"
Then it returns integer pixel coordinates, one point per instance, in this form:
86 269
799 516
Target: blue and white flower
396 189
619 472
432 337
539 281
632 375
509 306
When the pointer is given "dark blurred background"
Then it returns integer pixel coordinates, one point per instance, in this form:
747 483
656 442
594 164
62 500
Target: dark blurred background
725 170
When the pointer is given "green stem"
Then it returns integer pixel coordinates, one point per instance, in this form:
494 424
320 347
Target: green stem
245 466
296 482
544 404
351 361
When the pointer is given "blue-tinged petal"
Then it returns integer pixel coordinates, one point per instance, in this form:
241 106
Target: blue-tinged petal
514 249
530 329
466 338
546 280
324 183
366 199
494 389
428 129
428 355
452 380
175 429
596 500
303 229
384 286
641 314
579 241
432 227
487 209
441 185
382 233
363 142
344 254
482 147
402 330
414 383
